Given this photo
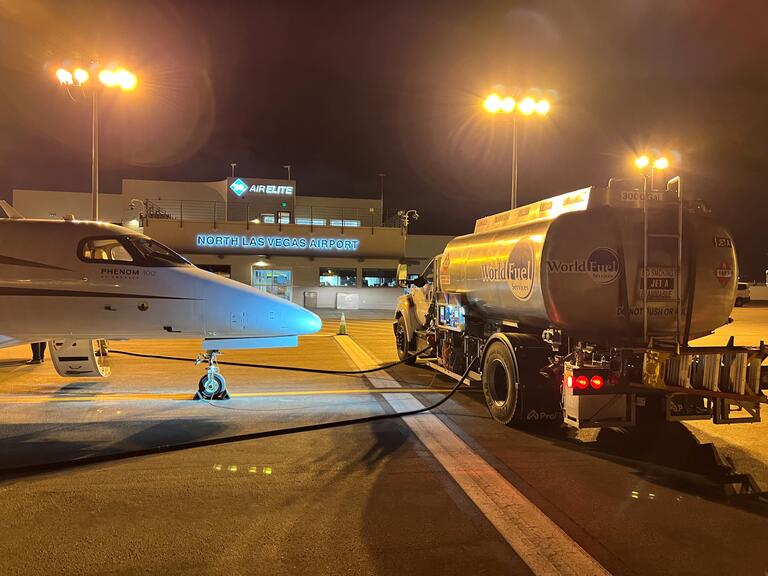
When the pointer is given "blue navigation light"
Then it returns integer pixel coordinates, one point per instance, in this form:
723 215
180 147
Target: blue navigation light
238 187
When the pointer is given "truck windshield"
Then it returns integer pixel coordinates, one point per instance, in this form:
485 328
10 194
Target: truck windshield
155 254
429 272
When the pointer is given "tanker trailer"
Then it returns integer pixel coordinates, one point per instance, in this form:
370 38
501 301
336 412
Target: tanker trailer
579 308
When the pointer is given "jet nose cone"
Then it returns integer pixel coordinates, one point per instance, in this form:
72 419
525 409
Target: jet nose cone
312 322
297 320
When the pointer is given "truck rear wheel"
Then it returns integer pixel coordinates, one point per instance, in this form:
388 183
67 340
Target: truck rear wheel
501 383
402 342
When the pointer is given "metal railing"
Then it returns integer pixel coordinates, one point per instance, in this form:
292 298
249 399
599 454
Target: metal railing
215 212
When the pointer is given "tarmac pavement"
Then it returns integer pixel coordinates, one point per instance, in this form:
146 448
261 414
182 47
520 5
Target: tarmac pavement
376 498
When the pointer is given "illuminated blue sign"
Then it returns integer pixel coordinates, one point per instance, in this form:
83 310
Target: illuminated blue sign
276 242
260 186
238 187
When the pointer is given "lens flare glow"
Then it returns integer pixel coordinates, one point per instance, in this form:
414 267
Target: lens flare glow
642 161
507 105
81 76
125 79
543 107
493 103
64 76
108 78
527 106
661 163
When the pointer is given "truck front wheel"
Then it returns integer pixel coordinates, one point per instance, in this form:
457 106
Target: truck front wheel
500 383
402 342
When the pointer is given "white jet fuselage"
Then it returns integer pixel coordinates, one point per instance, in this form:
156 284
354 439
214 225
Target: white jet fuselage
87 280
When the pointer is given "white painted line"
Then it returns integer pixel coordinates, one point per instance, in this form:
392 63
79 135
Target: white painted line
542 544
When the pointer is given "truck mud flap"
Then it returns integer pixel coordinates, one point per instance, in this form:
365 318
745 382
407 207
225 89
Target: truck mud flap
539 397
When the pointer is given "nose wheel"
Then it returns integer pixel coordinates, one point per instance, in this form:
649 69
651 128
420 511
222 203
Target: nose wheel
212 385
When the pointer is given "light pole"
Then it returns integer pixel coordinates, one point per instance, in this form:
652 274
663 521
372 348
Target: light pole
107 77
233 165
526 107
381 196
288 167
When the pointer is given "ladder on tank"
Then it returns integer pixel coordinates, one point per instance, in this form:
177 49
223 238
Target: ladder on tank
666 238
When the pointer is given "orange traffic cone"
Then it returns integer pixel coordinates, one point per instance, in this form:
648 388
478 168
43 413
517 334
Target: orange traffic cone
342 326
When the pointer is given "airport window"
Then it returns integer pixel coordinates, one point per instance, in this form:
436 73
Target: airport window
378 277
104 249
275 282
284 217
338 277
267 218
346 223
307 221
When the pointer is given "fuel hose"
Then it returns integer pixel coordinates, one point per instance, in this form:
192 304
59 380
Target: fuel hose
276 367
9 473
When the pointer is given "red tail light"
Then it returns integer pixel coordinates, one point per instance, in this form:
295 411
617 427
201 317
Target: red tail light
582 382
597 382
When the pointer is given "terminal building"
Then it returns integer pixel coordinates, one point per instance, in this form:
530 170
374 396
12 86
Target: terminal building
321 252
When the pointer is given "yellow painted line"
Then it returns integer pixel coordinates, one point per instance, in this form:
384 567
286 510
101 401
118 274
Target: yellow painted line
364 361
12 399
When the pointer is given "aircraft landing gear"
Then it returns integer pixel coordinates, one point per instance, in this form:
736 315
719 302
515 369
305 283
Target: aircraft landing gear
212 385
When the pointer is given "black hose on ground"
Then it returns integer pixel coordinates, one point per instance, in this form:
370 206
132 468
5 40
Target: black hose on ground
63 465
273 367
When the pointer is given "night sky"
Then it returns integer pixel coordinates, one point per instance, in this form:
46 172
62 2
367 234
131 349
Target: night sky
344 91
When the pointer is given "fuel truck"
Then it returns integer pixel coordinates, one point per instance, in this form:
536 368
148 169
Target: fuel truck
580 308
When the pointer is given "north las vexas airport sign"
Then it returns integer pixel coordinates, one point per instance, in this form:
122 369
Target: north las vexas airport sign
304 243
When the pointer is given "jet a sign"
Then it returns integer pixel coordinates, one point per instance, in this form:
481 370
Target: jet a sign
241 187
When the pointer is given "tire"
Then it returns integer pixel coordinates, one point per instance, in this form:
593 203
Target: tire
501 384
402 342
210 388
739 303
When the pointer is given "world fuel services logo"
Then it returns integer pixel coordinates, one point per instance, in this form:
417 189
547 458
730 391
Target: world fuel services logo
238 187
602 266
517 271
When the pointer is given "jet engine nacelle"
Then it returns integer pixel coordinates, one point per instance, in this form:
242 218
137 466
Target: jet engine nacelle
78 358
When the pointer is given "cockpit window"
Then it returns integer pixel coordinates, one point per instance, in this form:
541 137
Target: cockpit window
104 250
155 254
134 250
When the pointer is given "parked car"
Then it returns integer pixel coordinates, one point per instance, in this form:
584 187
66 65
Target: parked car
742 294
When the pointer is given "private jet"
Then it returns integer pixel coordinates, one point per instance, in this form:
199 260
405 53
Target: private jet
78 283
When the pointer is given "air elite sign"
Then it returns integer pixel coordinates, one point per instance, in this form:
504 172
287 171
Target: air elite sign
240 187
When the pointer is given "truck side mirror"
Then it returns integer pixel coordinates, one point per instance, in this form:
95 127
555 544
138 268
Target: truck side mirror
402 275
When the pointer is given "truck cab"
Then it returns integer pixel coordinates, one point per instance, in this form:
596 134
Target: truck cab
415 310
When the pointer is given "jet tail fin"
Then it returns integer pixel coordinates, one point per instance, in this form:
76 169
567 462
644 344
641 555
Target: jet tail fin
10 211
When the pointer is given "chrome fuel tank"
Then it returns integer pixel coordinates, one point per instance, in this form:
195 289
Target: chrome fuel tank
575 262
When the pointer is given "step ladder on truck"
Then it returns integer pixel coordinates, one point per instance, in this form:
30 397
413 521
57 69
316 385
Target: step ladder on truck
722 383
